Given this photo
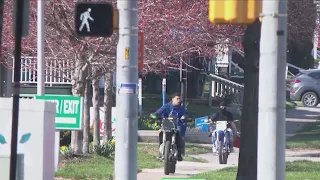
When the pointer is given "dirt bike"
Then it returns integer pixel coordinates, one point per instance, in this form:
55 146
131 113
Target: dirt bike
223 144
168 148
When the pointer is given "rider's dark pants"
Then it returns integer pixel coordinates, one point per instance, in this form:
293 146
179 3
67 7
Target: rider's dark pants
169 136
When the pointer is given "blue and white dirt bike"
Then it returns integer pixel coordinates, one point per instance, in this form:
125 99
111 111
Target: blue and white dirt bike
222 143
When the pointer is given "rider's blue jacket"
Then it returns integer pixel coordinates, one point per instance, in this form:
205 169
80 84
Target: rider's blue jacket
168 109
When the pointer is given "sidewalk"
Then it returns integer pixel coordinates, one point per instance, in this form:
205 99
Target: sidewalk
187 169
296 119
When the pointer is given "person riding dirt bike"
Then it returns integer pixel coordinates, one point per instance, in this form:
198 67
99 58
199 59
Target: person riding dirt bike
175 110
224 121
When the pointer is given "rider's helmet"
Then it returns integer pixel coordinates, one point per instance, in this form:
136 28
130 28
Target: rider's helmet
223 104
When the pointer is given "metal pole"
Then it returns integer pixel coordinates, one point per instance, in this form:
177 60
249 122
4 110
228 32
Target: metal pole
164 88
40 48
16 88
315 39
272 91
127 100
181 82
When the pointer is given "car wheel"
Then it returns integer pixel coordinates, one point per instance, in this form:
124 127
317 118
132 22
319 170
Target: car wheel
310 99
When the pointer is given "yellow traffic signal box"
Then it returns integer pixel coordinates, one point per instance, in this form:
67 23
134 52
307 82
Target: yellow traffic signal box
234 11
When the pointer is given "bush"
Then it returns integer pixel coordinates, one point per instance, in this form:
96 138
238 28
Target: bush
190 124
66 151
106 149
91 147
146 123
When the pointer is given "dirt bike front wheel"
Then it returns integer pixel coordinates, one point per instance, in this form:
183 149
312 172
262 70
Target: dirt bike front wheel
223 157
167 160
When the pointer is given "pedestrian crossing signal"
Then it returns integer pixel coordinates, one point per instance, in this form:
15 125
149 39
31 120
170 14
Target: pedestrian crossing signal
94 19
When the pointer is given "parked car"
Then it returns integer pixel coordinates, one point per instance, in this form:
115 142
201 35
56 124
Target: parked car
305 87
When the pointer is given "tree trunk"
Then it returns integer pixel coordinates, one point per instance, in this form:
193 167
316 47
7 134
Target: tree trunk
78 83
108 102
96 111
86 119
247 168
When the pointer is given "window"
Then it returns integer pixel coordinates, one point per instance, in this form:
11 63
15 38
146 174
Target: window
315 75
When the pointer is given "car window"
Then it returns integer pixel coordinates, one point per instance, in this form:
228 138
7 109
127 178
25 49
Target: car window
299 74
315 75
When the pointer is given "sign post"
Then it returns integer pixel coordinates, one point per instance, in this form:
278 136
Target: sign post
68 117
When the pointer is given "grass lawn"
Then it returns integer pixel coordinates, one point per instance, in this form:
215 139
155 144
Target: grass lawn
298 170
299 104
150 105
306 138
97 167
290 105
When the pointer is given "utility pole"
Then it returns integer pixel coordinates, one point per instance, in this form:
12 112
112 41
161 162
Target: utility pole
272 92
315 39
40 47
164 90
127 100
18 33
182 83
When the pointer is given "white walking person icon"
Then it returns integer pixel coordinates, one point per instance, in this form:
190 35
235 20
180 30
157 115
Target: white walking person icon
84 18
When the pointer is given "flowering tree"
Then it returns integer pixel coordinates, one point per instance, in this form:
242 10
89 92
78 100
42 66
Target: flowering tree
178 28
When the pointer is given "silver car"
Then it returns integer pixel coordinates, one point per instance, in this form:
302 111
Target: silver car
305 87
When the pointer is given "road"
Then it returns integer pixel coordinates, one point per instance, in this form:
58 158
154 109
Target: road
296 119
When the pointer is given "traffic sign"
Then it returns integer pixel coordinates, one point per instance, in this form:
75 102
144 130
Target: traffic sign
68 111
201 124
94 19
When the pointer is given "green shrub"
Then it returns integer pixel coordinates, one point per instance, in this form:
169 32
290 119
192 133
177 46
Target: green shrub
106 149
91 147
66 151
190 123
146 123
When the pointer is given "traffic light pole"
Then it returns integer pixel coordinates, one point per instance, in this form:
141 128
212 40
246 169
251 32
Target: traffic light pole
40 47
272 92
127 99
